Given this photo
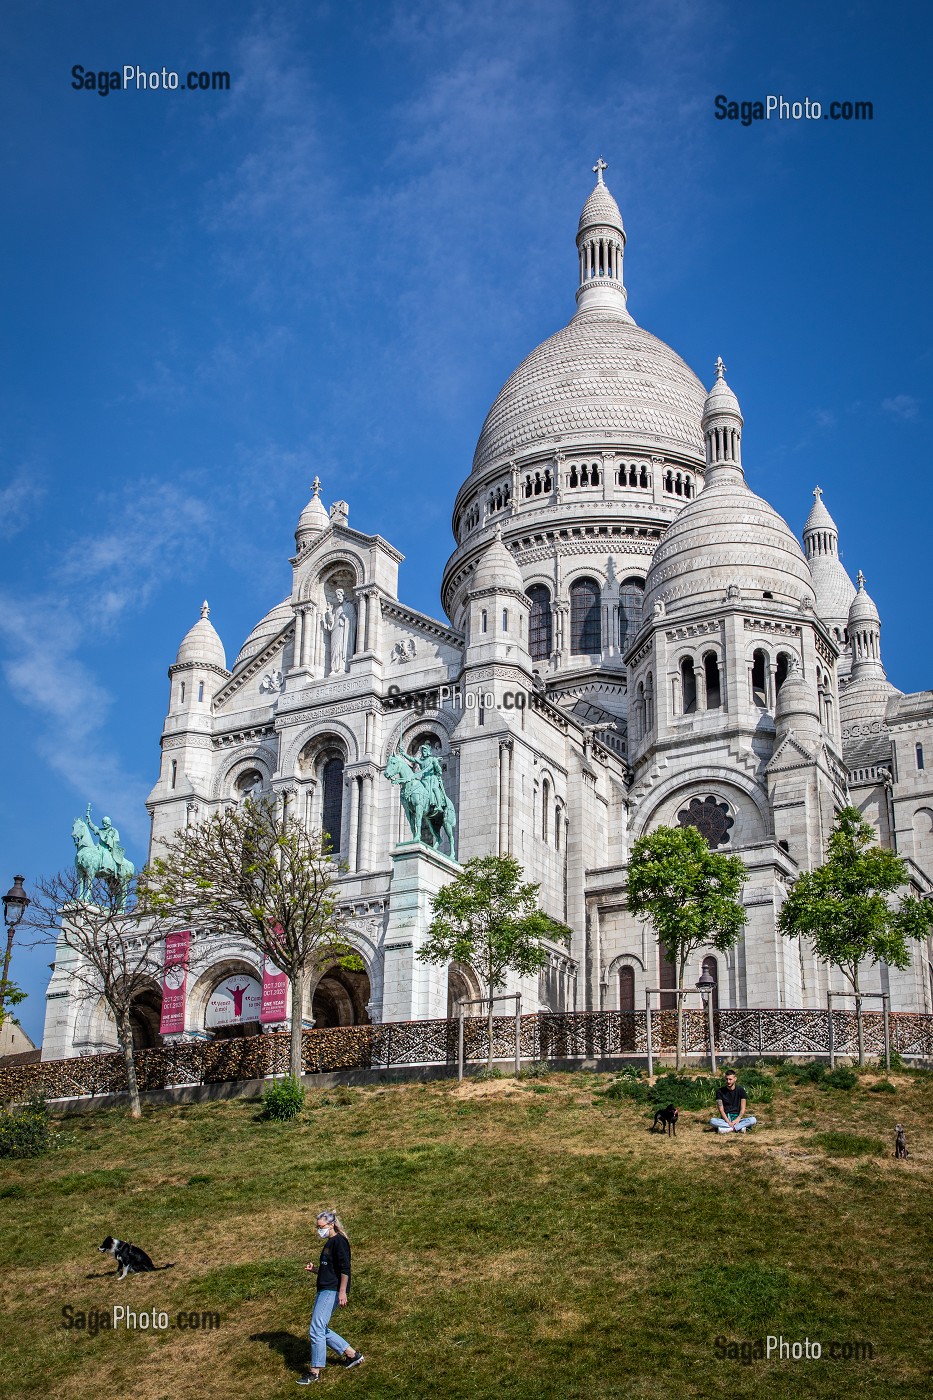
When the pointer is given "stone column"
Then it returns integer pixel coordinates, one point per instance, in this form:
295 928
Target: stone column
366 820
299 637
505 795
352 821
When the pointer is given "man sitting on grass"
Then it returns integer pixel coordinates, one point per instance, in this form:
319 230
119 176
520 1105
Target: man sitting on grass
731 1100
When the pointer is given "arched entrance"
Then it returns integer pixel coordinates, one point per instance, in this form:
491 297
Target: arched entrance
340 998
461 986
145 1018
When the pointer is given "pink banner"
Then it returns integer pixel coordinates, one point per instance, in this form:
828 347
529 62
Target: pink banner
175 983
274 991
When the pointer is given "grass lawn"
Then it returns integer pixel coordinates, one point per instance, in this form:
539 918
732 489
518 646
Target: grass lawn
510 1238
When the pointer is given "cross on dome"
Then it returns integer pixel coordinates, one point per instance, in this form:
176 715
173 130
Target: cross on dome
860 580
818 492
598 169
205 610
316 486
719 367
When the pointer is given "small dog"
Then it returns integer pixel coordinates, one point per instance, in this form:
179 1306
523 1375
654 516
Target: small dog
900 1141
667 1119
130 1258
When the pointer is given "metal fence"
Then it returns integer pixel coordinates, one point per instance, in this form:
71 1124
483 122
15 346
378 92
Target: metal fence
580 1035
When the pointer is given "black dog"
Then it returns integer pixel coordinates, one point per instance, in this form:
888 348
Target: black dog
667 1118
900 1141
130 1258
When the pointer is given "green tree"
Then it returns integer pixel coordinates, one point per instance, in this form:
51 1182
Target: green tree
489 919
112 948
846 910
689 894
265 879
10 995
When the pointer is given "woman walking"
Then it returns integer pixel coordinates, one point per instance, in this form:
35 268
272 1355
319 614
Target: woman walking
333 1286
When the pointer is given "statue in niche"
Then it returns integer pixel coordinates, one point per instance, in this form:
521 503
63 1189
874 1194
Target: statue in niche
339 621
404 651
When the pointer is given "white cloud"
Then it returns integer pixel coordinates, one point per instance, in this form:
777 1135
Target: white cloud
18 498
903 406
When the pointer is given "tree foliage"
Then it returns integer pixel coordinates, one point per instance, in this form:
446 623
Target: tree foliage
846 907
264 879
111 943
689 894
489 919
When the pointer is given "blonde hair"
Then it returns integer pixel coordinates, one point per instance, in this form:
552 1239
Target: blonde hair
333 1218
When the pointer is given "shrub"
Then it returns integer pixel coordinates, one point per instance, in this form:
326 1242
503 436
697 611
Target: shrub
840 1078
884 1086
684 1091
813 1073
760 1085
849 1145
283 1099
628 1085
536 1070
26 1131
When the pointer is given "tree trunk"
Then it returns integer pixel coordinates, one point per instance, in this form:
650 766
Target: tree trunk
680 1012
489 1032
860 1029
125 1037
297 981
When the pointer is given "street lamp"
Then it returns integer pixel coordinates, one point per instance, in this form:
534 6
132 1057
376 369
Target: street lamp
706 986
15 902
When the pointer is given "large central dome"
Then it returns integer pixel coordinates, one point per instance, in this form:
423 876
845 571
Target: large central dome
600 380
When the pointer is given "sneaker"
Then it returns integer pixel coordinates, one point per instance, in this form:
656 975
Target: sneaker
307 1379
724 1130
354 1360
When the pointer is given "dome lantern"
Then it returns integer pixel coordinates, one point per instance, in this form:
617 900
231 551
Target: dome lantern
201 645
865 635
722 429
601 248
313 519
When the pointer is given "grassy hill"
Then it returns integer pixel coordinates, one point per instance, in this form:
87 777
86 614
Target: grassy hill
511 1239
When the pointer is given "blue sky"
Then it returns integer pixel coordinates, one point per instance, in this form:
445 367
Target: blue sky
331 269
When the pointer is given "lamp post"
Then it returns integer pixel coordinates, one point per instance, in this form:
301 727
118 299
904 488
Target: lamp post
706 986
15 902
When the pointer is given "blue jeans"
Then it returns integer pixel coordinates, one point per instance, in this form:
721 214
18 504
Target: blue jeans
724 1124
320 1331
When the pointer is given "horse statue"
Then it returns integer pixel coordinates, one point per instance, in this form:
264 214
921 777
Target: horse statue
105 860
427 818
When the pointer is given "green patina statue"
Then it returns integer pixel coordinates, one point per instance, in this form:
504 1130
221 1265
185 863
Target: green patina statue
424 801
107 859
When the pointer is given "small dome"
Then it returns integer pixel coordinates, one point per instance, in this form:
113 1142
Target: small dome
727 536
600 208
202 644
797 706
272 625
497 568
819 517
720 398
314 519
863 609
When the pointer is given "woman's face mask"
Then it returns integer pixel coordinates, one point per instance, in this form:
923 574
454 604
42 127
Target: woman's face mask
323 1231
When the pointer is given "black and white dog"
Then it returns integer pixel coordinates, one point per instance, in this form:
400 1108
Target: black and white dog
130 1258
665 1120
900 1142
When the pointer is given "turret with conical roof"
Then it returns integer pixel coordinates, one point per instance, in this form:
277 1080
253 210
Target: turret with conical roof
313 520
832 585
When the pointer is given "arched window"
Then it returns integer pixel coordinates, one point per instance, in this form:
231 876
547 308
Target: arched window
332 800
545 808
483 621
594 474
760 679
631 596
182 696
505 619
585 634
640 711
540 627
200 690
558 815
711 966
688 683
626 989
649 701
711 677
175 770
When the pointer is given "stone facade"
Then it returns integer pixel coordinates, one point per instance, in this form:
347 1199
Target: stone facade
634 638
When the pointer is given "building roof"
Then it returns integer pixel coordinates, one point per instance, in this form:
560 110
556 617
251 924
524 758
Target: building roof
265 631
202 644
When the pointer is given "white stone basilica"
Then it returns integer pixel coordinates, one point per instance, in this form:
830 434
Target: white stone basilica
634 638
